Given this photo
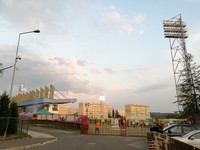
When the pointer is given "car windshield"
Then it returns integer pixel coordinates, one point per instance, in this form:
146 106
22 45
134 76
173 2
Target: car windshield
168 127
184 135
194 132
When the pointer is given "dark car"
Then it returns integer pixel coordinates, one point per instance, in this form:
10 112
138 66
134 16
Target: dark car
179 129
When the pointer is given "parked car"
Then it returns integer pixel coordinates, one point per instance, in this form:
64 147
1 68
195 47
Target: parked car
191 138
179 129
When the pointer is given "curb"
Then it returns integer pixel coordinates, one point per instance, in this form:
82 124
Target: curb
31 145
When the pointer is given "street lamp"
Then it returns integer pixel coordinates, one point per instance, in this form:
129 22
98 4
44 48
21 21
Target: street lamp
13 76
18 58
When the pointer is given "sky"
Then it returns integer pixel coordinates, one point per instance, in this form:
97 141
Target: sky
93 48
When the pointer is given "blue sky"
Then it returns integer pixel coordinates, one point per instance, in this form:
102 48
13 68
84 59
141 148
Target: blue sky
89 48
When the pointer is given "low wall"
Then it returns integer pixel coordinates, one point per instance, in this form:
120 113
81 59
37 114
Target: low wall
158 141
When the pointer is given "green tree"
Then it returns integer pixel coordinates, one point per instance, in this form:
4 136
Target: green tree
8 109
4 104
13 123
4 111
113 113
117 115
109 115
189 89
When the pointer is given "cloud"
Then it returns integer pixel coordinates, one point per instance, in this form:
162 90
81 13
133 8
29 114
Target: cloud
58 61
95 71
47 15
193 46
139 18
111 20
64 18
152 87
195 38
40 69
155 100
116 19
110 71
80 74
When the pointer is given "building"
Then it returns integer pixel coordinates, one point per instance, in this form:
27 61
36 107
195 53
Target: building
43 98
137 111
121 112
61 109
72 110
93 110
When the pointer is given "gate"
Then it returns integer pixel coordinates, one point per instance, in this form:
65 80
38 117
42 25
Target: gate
118 126
84 121
123 126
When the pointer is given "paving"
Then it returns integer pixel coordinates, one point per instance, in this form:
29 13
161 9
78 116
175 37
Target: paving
38 139
46 139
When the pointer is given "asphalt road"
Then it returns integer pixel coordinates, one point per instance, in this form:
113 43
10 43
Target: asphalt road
74 141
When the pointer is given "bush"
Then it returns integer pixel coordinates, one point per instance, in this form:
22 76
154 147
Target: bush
9 110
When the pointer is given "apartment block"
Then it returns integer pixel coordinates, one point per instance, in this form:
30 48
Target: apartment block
133 111
93 110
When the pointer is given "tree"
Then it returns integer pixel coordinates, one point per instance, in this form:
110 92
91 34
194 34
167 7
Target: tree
117 115
8 109
189 89
113 113
13 123
4 105
4 111
109 115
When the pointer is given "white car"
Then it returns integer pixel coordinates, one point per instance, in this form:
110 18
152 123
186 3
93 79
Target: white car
191 138
180 129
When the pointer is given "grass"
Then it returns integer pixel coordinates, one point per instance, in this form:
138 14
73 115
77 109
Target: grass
18 135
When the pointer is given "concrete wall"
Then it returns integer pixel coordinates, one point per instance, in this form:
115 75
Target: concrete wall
158 141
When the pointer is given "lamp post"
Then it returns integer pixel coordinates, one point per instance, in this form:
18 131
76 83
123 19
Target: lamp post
18 58
14 68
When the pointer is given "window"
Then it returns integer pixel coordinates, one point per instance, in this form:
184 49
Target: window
55 107
196 136
176 129
187 129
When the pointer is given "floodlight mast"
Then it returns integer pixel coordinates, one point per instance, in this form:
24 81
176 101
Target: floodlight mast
175 30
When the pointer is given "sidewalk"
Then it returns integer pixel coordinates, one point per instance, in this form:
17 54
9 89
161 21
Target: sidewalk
37 139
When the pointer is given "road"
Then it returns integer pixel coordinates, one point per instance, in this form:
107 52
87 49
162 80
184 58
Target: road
67 140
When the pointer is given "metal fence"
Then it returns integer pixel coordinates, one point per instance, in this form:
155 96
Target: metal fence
117 130
119 126
11 125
